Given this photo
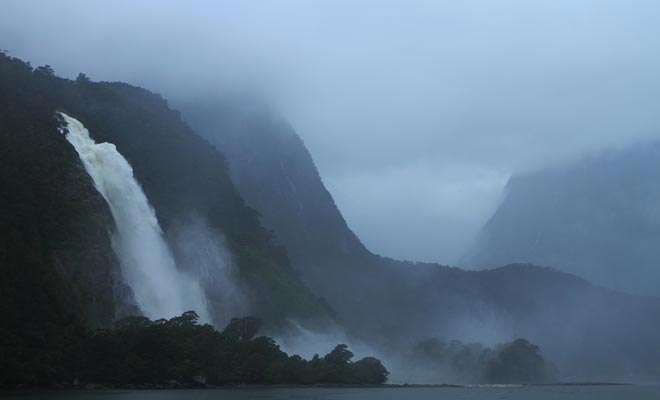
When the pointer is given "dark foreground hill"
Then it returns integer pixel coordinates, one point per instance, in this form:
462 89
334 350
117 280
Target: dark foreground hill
60 275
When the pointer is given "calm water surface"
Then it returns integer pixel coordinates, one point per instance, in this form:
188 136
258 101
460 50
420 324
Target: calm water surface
641 392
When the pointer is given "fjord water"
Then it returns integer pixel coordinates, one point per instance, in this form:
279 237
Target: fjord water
624 392
161 291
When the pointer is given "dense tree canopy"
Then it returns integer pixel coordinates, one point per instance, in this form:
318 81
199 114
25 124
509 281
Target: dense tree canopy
137 350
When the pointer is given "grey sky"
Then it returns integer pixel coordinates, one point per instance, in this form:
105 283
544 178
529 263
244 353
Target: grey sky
415 112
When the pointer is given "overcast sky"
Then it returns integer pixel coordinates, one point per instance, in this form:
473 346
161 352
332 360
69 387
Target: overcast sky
415 112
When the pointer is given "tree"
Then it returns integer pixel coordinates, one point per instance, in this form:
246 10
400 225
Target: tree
132 322
188 318
518 361
83 79
45 70
340 355
370 370
246 328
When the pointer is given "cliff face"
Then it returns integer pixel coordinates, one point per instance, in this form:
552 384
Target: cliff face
54 224
396 302
274 172
186 179
597 218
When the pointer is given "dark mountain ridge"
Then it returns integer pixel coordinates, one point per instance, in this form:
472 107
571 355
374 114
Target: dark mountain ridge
397 302
59 264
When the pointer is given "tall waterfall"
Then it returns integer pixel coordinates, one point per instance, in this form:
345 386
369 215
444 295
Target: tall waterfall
161 290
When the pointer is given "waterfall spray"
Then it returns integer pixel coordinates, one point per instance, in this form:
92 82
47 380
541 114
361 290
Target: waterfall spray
161 290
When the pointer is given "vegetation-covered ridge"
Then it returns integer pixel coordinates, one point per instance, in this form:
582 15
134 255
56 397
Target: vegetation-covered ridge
181 174
181 352
60 276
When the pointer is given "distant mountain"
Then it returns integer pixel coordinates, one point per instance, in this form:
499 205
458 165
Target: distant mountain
396 302
598 218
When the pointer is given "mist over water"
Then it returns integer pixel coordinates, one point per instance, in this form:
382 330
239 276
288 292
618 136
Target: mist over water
160 289
307 342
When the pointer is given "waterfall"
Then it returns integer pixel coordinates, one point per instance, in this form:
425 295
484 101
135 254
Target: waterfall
161 290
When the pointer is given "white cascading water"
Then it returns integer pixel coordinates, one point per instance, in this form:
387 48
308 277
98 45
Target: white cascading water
161 290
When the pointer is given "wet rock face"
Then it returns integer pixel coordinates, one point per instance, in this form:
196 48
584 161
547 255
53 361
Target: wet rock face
83 251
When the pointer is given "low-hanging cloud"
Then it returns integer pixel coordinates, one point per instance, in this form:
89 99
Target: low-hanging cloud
421 106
